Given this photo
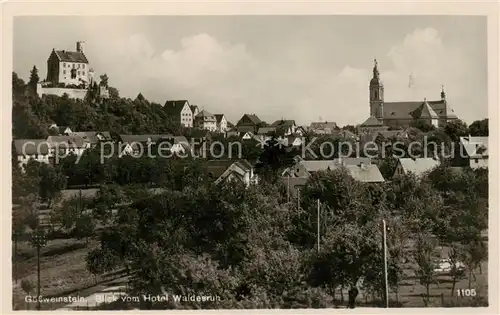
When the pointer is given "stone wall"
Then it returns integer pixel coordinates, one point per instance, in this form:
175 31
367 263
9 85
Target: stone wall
72 93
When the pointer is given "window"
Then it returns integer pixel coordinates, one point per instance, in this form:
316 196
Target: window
64 71
73 66
78 72
84 66
83 72
64 64
476 161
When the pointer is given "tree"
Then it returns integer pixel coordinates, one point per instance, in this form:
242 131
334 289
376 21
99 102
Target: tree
104 80
475 253
424 257
18 85
456 129
84 227
100 261
52 181
456 256
28 288
388 166
113 93
422 125
105 200
34 78
479 128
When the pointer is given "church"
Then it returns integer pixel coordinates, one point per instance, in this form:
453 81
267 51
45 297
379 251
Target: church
401 114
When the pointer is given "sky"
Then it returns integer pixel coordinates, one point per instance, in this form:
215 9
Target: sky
306 68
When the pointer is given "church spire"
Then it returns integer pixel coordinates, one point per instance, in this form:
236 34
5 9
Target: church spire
443 95
375 68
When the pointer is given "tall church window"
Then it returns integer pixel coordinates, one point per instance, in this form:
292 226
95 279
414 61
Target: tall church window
376 94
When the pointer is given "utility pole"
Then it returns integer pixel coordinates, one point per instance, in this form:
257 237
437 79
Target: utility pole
38 240
318 224
288 188
298 198
384 248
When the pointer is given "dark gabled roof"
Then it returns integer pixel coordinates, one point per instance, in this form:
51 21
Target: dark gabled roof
245 129
218 117
441 107
174 107
193 108
206 115
353 161
266 130
92 136
412 110
71 56
424 111
252 117
70 141
372 121
199 133
323 125
217 167
31 146
284 123
144 138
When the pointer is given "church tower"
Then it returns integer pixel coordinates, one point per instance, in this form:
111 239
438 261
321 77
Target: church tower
376 93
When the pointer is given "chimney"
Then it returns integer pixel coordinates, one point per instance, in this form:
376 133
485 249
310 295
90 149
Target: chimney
80 46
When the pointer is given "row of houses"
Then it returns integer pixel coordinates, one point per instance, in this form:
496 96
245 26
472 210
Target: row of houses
361 169
190 116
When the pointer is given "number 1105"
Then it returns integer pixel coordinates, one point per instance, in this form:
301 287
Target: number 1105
466 292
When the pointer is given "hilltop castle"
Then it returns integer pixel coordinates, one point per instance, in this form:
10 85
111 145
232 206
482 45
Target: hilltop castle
69 72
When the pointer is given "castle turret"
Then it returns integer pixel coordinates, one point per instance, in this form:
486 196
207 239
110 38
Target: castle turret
443 95
80 46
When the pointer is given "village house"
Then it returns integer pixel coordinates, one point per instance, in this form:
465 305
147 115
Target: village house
292 141
221 122
205 120
300 130
250 120
416 166
360 169
31 149
475 151
66 145
93 138
140 144
61 130
194 110
402 114
180 111
322 128
265 133
284 127
372 125
231 170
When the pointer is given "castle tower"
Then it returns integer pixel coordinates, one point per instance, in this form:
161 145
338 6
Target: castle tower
80 47
376 93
